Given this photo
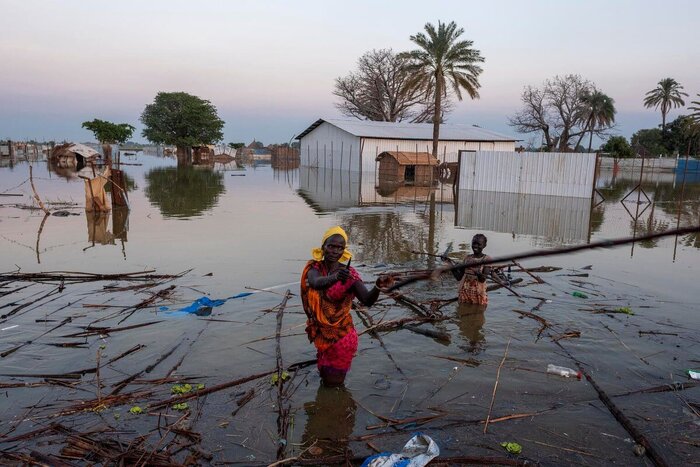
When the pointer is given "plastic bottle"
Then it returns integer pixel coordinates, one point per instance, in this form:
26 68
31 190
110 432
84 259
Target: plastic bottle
579 294
563 371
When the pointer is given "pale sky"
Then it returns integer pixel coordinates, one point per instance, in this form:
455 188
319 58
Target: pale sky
269 66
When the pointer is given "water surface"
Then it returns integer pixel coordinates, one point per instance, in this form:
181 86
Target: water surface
235 227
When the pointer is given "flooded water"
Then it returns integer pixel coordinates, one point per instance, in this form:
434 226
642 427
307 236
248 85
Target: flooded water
234 229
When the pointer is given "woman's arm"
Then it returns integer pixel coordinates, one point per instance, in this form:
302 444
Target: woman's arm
484 271
318 281
457 273
369 297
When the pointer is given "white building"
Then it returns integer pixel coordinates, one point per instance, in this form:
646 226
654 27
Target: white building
355 144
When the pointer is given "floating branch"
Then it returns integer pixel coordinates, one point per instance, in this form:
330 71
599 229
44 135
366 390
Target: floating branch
542 253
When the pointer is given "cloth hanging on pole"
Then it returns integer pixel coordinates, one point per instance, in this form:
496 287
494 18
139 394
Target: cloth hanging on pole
95 195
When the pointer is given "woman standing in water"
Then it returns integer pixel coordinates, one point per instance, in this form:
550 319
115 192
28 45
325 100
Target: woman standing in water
328 288
472 280
472 297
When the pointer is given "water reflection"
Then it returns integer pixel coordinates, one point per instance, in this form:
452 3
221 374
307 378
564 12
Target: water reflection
675 201
555 219
471 319
330 420
98 227
328 190
184 191
391 236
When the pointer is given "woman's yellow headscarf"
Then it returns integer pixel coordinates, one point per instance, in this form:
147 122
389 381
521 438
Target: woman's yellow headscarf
317 253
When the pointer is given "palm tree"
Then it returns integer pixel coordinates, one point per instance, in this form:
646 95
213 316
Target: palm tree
598 112
695 107
441 60
666 95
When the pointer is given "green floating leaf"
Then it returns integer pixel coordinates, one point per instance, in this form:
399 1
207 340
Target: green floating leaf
274 379
136 410
625 309
513 448
181 388
200 386
181 406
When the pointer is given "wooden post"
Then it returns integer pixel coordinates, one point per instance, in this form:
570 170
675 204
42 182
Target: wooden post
11 147
119 196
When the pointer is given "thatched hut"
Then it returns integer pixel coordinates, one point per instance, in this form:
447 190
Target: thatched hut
72 155
411 168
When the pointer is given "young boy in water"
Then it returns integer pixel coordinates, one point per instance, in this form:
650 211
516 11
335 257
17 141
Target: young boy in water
472 285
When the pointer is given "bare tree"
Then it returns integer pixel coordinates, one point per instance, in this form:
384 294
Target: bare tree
379 90
559 111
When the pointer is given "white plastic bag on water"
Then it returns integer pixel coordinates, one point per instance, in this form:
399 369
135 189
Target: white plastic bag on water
419 450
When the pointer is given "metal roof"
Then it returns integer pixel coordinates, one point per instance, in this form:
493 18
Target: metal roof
410 158
403 130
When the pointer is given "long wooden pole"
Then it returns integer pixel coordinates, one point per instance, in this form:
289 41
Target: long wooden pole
36 195
543 253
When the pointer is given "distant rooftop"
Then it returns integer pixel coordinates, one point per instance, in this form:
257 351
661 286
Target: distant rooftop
404 130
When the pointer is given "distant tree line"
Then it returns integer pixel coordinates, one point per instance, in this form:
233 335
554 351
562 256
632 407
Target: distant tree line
567 108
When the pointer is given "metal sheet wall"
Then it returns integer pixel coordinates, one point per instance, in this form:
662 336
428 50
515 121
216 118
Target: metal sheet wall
448 151
557 219
327 146
540 173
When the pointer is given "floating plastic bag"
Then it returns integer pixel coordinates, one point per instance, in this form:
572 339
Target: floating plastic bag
419 450
202 306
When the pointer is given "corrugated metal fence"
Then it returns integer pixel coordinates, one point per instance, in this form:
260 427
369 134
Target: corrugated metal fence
538 173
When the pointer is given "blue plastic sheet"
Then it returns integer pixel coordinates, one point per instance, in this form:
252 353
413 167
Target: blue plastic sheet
203 305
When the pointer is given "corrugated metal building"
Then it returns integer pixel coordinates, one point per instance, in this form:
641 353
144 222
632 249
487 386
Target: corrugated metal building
355 144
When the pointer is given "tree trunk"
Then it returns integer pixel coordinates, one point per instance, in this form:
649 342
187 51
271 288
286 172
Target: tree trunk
107 153
589 126
547 139
590 141
663 126
184 155
119 196
436 115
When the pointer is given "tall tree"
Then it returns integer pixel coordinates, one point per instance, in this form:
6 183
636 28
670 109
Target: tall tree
667 94
561 110
443 60
618 147
182 120
648 141
695 107
380 90
108 133
598 113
